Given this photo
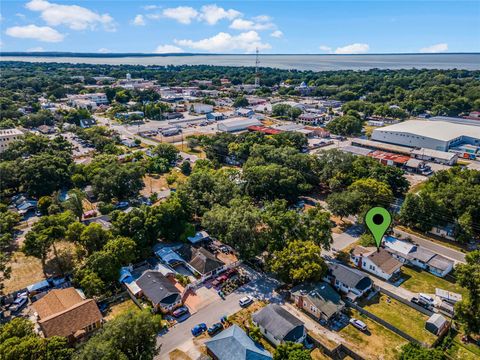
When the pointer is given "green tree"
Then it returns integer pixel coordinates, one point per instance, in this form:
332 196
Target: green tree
468 276
131 335
317 227
18 341
240 101
186 168
45 234
236 225
74 202
167 152
44 173
416 352
298 262
291 351
345 125
94 237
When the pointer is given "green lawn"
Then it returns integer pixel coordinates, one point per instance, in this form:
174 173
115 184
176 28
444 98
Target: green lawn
378 343
422 281
401 316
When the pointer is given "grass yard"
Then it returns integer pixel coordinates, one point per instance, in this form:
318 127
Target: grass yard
401 316
461 351
422 281
178 355
120 308
317 354
198 152
379 343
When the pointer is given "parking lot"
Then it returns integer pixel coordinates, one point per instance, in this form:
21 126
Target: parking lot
179 336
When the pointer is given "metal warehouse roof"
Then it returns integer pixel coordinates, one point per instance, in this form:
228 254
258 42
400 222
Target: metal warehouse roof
440 130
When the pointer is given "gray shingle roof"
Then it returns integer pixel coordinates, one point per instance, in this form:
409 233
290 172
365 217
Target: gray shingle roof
279 322
323 296
350 277
157 288
234 344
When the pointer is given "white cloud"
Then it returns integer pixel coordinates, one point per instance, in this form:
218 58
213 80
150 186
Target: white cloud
182 14
139 20
41 33
242 24
212 14
276 34
104 51
224 42
73 16
165 49
442 47
36 49
151 7
325 48
356 48
262 18
20 15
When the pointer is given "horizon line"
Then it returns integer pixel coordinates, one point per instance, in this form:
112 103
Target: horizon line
138 54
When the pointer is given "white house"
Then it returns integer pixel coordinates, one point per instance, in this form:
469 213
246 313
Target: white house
349 281
278 325
380 263
423 258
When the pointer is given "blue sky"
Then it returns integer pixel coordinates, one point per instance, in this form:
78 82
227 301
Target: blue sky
309 27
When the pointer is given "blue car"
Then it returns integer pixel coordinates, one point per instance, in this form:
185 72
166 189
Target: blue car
199 329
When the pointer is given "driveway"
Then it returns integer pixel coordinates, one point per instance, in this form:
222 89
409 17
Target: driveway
344 239
179 336
450 253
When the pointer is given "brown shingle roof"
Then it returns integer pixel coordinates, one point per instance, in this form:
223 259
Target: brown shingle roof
56 301
69 321
385 261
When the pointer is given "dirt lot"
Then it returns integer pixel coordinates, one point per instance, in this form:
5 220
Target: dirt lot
27 270
153 184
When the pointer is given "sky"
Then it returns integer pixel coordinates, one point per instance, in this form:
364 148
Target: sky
278 27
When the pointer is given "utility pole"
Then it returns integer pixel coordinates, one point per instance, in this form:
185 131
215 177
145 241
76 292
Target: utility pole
257 74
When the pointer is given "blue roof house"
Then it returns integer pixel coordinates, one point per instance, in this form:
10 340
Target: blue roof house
234 344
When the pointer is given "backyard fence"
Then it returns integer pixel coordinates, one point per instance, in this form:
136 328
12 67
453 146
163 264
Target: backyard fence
385 323
337 353
406 302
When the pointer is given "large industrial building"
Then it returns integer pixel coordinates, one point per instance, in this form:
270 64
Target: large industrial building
237 124
436 135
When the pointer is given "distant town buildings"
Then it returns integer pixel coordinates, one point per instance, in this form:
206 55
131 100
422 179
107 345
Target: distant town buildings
7 136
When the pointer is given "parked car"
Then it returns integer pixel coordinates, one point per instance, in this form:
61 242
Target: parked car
245 301
18 304
427 298
422 303
219 280
180 311
215 328
199 329
358 324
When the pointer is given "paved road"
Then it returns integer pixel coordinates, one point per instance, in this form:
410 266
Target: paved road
261 287
450 253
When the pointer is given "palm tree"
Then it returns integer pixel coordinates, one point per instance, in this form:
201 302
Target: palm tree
75 202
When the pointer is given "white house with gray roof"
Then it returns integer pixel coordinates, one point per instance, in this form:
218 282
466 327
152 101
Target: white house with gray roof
278 325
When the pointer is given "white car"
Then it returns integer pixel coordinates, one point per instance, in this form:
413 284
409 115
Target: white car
18 304
245 301
358 324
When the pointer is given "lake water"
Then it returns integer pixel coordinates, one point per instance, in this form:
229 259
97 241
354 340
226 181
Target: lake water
300 62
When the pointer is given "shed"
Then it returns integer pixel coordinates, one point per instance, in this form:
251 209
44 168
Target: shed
436 324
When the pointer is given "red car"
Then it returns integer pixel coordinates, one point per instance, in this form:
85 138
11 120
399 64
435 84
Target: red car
220 280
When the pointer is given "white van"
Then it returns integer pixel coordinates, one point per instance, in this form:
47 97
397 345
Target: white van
427 298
